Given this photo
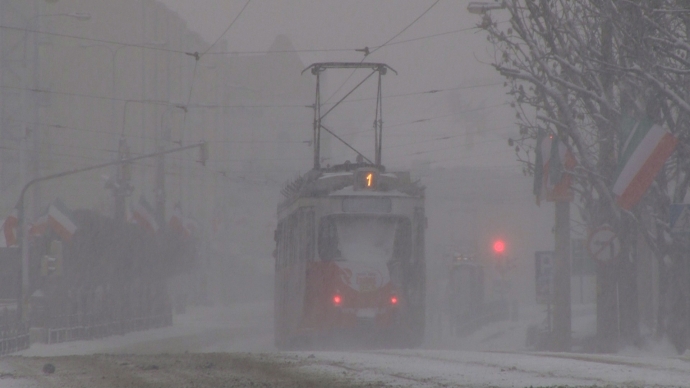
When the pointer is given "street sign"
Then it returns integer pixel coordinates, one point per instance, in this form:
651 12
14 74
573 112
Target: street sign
603 244
679 218
543 275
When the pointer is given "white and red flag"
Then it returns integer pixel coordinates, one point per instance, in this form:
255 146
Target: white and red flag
8 237
642 156
40 225
176 221
144 215
60 220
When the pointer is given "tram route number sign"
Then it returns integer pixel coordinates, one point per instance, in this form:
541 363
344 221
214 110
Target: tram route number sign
544 265
603 244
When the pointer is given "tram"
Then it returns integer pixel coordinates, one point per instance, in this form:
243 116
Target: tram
349 256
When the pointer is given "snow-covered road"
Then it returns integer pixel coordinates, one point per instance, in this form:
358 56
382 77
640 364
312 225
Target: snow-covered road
227 346
434 368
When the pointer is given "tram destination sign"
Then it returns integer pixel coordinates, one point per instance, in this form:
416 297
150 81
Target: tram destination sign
367 205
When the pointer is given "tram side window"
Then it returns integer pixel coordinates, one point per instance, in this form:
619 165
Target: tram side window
279 252
328 240
402 247
307 245
293 234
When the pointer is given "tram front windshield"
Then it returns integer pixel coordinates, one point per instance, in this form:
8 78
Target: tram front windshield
364 238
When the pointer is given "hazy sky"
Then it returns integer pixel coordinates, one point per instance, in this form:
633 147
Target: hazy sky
451 60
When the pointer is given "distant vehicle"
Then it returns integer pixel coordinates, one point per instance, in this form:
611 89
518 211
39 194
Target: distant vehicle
349 260
465 294
349 257
469 306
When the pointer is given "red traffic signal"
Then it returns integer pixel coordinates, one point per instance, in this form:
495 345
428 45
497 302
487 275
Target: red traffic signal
499 247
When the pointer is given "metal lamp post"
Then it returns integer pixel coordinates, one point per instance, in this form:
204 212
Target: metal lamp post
32 26
23 302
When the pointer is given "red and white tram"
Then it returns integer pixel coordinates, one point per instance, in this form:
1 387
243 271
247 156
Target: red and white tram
349 257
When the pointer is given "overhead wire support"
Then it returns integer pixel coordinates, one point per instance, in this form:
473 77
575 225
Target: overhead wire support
316 69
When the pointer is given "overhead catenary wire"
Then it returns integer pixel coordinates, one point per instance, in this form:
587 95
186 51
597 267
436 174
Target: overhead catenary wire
226 30
241 52
404 29
241 106
367 52
96 40
270 52
219 106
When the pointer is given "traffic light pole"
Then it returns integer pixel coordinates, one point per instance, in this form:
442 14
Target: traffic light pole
561 298
23 300
121 187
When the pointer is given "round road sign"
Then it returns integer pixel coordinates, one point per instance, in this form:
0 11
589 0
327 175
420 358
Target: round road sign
603 244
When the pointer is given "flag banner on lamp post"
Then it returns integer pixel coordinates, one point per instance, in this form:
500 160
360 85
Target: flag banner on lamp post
60 220
143 215
646 149
553 164
8 237
40 225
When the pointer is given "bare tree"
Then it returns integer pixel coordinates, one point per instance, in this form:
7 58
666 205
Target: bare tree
581 70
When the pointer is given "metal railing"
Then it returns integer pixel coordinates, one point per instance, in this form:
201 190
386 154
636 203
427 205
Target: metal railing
14 336
74 327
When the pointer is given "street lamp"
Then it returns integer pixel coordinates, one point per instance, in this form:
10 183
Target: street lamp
482 7
120 188
32 25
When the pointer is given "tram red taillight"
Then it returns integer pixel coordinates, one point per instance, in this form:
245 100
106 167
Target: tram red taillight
337 300
394 300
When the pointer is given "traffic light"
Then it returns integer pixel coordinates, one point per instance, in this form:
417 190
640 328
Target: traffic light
499 254
499 247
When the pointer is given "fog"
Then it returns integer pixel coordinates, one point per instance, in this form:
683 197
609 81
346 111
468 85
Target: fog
86 82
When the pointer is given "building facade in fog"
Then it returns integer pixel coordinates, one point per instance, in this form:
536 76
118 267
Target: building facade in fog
77 76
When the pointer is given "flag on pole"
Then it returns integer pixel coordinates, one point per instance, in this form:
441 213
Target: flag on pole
646 149
60 220
144 215
553 162
191 226
8 237
40 225
176 221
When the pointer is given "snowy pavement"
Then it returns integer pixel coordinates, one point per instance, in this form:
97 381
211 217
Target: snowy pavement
469 361
434 368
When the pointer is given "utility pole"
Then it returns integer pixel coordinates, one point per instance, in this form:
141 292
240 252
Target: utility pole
562 300
160 185
162 139
121 187
607 278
